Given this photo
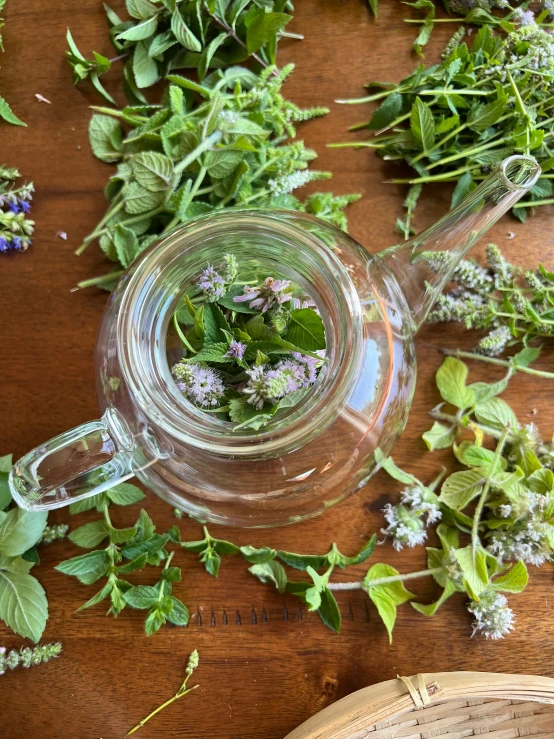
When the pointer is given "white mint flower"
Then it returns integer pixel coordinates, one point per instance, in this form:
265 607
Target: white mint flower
493 617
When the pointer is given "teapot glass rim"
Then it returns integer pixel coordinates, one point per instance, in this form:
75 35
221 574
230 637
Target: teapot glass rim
152 288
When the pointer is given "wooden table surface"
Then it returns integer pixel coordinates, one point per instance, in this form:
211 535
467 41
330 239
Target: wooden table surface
259 677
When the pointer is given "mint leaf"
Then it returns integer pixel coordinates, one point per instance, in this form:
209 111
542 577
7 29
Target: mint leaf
141 596
183 34
513 581
422 124
329 611
264 29
125 494
89 535
23 604
391 468
87 568
145 68
179 614
20 530
272 573
439 436
8 115
302 561
388 596
106 135
451 382
496 413
152 170
461 488
306 330
258 556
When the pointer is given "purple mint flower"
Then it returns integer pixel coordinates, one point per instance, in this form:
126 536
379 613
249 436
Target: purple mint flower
16 244
212 284
263 297
236 350
14 207
4 244
310 368
24 206
200 384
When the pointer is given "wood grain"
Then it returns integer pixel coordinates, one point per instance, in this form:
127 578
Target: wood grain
260 675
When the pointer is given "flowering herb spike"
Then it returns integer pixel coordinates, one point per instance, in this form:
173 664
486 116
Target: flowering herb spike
246 366
27 657
16 228
486 100
514 305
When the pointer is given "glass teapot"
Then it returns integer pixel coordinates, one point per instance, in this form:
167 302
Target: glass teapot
317 452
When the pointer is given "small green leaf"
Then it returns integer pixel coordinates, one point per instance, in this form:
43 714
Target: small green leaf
141 596
98 598
263 29
89 535
451 382
87 568
145 68
20 530
422 124
258 556
461 488
120 536
329 610
154 621
306 330
513 581
183 34
8 115
140 200
140 31
387 112
126 244
125 494
23 604
302 561
526 356
474 568
179 614
392 469
483 391
439 436
138 9
541 481
272 573
497 413
432 608
386 597
152 170
106 137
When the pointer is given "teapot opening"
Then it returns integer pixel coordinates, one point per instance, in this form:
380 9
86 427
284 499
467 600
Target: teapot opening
150 348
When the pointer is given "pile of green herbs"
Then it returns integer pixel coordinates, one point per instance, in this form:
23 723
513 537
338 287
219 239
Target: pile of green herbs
455 121
251 344
222 141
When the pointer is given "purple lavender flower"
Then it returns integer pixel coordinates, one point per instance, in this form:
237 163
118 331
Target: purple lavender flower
212 284
14 207
262 297
4 244
202 385
236 350
17 245
24 206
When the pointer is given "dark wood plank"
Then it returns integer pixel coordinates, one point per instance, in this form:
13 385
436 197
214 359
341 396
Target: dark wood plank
257 679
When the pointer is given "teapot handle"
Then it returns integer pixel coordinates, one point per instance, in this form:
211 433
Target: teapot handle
75 465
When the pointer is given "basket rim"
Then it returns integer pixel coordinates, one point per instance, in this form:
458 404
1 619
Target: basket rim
401 695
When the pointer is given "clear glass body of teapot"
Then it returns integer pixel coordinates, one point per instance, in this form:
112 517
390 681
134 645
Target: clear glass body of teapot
313 455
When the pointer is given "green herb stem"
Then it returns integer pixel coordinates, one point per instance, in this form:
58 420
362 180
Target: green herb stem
499 362
475 541
177 695
384 580
116 205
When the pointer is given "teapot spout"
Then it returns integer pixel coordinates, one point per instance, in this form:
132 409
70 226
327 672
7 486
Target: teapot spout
447 242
